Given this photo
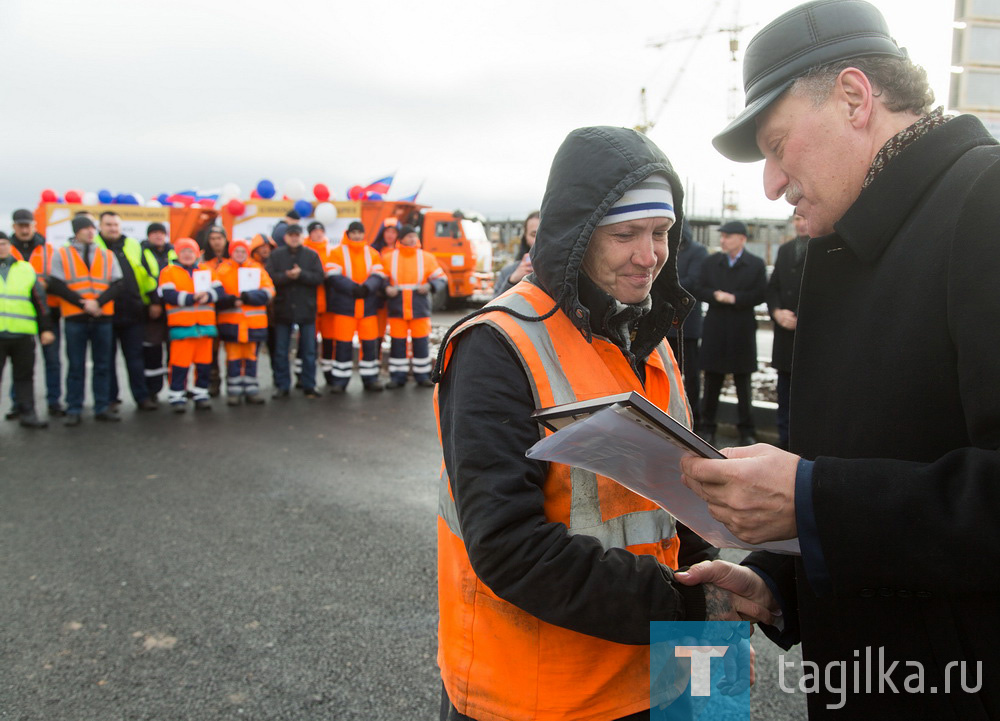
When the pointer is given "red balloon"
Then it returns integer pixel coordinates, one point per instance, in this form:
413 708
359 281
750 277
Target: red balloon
73 196
254 195
49 196
236 207
356 192
321 192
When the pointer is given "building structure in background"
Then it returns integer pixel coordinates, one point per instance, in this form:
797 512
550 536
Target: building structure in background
975 80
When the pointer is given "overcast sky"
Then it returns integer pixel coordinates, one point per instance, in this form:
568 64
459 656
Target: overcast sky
470 98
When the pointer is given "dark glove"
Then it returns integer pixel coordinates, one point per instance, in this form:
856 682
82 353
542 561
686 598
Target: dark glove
361 291
246 297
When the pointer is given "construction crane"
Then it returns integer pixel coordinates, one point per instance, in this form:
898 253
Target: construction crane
647 122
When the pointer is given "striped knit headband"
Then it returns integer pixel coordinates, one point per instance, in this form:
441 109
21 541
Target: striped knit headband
649 198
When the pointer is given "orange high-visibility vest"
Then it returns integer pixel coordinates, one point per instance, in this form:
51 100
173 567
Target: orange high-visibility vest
181 316
407 268
321 251
88 283
41 261
247 316
497 661
356 260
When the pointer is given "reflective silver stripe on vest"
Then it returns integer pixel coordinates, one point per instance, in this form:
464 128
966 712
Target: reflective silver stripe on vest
677 409
631 529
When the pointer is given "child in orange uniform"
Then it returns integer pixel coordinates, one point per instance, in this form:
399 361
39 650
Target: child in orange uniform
242 320
190 303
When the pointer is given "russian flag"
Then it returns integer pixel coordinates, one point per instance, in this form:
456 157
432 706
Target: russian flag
381 185
413 198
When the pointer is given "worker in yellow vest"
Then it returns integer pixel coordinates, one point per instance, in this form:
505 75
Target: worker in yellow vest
23 315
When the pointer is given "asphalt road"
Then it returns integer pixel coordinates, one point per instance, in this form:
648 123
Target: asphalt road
273 562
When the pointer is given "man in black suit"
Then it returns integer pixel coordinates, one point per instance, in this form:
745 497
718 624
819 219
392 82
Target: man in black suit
732 283
783 305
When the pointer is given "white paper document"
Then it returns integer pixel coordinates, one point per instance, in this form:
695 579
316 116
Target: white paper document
248 279
615 442
202 281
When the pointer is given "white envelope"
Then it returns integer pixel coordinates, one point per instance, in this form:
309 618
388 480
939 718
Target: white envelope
248 279
202 281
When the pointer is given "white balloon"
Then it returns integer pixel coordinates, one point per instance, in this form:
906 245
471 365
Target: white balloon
229 191
325 213
89 198
295 189
138 199
154 203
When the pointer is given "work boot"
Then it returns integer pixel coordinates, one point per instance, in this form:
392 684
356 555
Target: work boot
148 405
107 417
203 404
232 400
425 383
13 414
338 390
374 386
56 411
72 419
254 399
178 407
392 385
30 420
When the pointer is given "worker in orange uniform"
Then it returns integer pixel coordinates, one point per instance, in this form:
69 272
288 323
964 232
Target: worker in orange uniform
319 242
385 243
354 279
215 254
190 291
242 319
413 275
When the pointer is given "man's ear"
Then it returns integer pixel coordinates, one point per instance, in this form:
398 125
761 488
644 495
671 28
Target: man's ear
854 90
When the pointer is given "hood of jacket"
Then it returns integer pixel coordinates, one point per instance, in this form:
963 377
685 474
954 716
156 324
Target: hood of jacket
590 172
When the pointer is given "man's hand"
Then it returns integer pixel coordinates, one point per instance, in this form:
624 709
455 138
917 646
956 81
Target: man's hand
294 272
723 604
90 307
43 281
785 318
423 288
201 298
722 296
750 596
392 291
751 492
47 337
155 311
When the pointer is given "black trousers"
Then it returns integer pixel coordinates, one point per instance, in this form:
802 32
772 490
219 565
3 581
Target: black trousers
21 351
710 402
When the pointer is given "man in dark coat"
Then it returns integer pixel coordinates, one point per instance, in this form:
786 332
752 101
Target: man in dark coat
783 304
690 258
296 271
893 486
732 283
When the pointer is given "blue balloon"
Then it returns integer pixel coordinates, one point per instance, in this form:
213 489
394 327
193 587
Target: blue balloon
265 189
163 198
105 196
374 196
303 207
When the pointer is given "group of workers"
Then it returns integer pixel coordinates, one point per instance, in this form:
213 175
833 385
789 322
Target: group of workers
188 300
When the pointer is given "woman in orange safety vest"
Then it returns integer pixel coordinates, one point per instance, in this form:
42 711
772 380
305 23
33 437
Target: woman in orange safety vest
242 320
189 291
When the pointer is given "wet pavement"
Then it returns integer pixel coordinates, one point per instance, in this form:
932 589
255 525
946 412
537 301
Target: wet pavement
273 562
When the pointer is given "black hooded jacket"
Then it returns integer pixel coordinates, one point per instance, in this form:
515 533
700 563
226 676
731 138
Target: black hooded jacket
485 405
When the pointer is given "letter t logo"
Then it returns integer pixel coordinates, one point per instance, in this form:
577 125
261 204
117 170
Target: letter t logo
701 665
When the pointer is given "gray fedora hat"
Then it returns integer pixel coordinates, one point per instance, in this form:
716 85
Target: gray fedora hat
810 35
